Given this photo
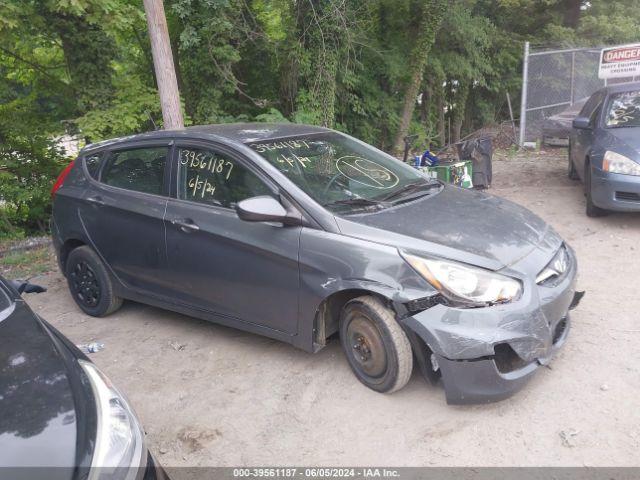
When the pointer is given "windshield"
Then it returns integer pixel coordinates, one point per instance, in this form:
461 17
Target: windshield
624 110
342 173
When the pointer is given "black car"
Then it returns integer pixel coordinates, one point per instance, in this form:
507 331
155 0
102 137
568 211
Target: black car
298 232
604 149
60 416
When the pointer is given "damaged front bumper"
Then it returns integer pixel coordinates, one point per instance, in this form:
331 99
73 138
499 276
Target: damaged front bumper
487 354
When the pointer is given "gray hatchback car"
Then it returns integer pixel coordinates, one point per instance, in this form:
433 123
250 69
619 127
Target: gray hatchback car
298 233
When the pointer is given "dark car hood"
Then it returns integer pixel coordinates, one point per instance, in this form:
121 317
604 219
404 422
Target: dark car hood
38 419
494 231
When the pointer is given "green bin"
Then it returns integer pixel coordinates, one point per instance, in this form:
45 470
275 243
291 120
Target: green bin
456 173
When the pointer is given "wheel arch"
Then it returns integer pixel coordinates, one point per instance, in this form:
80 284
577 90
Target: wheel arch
67 247
327 318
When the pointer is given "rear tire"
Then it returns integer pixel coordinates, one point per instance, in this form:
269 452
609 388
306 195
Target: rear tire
591 210
90 284
376 347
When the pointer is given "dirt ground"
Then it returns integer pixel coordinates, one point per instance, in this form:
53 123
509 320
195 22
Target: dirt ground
214 396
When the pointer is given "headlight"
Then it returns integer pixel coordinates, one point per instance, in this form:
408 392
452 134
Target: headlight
464 284
615 163
119 448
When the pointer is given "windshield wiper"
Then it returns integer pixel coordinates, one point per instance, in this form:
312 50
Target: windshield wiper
356 202
410 188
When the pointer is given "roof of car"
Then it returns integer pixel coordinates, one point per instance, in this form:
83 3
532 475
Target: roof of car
238 132
621 87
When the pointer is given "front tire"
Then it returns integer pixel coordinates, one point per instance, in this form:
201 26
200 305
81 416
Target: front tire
90 284
376 347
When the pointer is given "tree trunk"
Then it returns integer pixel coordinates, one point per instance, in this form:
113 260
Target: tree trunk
459 110
441 125
572 11
432 14
424 106
163 64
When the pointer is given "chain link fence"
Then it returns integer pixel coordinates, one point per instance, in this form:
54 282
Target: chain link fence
553 80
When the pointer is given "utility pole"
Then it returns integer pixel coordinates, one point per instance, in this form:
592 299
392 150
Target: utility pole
163 65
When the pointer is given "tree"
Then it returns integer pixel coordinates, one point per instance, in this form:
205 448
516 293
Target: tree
431 16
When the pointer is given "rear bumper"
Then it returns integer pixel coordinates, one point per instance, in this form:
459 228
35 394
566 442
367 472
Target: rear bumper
614 191
487 354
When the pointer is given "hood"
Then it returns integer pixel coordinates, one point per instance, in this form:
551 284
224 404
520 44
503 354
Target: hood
624 140
459 224
38 421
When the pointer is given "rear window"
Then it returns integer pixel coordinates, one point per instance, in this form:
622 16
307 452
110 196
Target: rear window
623 110
140 169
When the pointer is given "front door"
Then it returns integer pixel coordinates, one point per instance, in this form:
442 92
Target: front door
584 137
218 263
122 213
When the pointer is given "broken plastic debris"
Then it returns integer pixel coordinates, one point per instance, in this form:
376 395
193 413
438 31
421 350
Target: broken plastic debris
177 346
568 437
92 347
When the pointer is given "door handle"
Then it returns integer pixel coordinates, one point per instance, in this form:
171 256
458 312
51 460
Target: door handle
186 225
96 200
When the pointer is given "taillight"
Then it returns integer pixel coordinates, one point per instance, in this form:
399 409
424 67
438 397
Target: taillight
61 177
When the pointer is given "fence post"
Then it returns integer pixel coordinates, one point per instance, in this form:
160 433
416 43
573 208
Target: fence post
523 101
573 77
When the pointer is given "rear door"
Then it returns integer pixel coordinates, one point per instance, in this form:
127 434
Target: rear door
123 212
217 263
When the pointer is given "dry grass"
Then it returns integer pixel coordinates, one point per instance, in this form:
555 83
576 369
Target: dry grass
28 263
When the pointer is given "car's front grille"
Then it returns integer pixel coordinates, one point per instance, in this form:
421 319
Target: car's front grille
628 196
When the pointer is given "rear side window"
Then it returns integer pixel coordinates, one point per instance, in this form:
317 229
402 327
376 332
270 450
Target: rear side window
140 169
212 178
93 163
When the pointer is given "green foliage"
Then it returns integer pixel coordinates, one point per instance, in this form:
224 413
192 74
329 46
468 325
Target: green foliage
84 67
129 111
273 116
28 166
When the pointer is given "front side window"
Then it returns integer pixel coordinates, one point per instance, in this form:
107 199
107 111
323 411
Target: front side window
140 169
212 178
623 110
342 173
590 105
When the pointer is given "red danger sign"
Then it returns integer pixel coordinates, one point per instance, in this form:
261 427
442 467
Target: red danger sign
620 62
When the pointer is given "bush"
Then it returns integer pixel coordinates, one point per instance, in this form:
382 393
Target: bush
28 168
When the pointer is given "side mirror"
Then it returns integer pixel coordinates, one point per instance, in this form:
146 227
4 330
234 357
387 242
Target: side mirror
264 209
581 123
